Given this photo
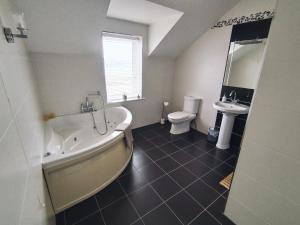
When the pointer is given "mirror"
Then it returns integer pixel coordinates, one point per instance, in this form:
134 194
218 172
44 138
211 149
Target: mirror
244 63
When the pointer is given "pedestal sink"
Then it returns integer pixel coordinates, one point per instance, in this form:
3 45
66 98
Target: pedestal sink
230 111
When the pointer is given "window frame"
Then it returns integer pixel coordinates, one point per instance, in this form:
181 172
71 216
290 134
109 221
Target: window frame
129 37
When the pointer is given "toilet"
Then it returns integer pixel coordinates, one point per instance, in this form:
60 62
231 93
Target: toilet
181 121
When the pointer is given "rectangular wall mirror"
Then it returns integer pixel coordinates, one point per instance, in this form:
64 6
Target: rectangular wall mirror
244 62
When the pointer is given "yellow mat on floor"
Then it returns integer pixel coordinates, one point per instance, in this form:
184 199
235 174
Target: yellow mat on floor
226 182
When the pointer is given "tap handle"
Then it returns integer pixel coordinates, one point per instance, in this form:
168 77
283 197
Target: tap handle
87 101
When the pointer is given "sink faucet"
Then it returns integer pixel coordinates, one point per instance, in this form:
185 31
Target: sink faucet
87 106
234 99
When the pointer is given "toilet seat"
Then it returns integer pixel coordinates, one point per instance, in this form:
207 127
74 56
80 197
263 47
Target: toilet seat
180 116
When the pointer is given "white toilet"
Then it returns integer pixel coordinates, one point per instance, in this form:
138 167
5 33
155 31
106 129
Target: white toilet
181 121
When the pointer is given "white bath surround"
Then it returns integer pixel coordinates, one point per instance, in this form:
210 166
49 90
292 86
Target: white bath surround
80 161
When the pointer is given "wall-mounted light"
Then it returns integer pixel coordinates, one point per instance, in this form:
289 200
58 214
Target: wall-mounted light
10 36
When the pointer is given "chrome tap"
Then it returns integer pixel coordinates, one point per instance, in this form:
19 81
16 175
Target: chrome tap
234 99
87 106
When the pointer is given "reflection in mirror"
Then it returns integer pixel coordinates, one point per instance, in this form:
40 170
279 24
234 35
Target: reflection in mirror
243 63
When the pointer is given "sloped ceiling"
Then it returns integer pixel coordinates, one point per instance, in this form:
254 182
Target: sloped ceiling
72 26
199 15
160 19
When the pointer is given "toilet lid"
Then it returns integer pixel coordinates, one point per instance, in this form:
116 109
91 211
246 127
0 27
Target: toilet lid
179 115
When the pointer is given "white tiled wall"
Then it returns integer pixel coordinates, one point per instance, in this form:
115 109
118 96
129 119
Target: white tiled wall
24 198
200 69
266 183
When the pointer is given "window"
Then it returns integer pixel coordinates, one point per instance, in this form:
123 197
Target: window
122 66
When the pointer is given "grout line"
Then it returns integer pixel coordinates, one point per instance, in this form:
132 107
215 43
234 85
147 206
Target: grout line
198 178
133 206
85 217
100 210
165 174
65 218
165 203
182 165
206 210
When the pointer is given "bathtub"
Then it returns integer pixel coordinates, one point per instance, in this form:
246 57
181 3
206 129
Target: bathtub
80 162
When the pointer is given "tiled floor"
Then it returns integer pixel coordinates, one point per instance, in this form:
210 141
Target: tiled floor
171 180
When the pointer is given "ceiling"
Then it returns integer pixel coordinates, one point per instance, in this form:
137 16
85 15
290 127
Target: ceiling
160 19
74 26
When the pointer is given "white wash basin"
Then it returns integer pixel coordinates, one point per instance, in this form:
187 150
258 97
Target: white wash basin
230 111
232 108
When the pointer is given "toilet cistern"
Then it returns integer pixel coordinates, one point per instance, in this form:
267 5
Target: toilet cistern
181 121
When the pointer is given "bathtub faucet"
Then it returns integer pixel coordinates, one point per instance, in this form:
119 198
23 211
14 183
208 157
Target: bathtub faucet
87 106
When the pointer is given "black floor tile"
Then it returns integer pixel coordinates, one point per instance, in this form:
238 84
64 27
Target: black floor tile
170 137
94 219
220 154
194 151
120 212
155 154
234 150
205 219
181 143
197 168
194 136
141 129
144 200
184 207
138 222
145 145
168 164
60 218
161 216
137 138
83 209
217 210
129 169
232 161
151 172
203 193
110 194
148 134
132 181
169 148
165 187
182 157
218 206
210 161
182 176
159 140
140 159
191 162
224 169
225 194
204 145
213 179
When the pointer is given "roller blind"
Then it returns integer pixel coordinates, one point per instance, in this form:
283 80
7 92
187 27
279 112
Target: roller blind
122 65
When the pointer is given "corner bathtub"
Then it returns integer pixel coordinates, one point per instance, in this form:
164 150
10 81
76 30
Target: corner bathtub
79 161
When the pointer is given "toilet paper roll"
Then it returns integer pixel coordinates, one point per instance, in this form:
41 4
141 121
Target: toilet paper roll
166 103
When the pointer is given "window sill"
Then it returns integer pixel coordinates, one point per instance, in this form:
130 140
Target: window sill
128 100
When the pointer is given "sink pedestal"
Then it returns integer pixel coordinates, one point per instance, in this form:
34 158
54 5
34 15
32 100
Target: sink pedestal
225 131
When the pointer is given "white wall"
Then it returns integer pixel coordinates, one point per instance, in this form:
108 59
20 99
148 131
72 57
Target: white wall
65 79
22 190
200 70
265 187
